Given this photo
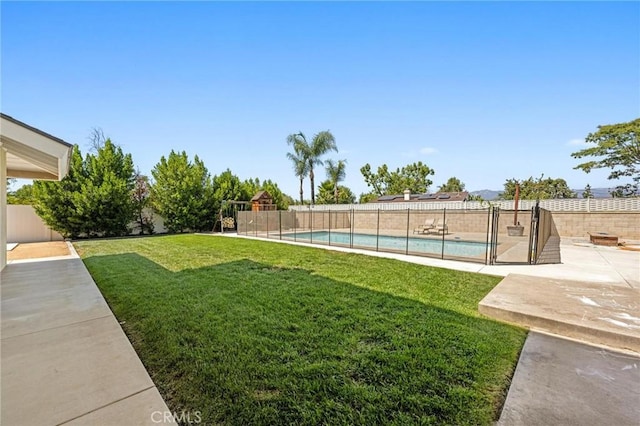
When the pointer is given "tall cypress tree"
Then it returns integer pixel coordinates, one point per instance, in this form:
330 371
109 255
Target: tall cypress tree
182 193
94 199
54 201
104 200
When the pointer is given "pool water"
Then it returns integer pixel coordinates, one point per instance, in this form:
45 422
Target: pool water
424 245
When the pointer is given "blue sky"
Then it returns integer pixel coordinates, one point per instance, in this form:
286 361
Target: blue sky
480 91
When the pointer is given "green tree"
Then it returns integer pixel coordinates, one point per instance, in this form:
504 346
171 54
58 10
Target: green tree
367 197
453 185
227 186
414 177
626 191
55 201
280 199
327 194
537 189
252 186
93 199
140 197
182 193
587 192
336 172
23 195
616 147
299 160
313 151
104 200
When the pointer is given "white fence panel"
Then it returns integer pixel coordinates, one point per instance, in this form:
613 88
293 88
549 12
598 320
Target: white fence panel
25 226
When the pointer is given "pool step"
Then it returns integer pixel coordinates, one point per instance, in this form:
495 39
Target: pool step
596 313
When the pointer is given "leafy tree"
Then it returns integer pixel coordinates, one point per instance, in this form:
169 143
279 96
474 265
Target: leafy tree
287 200
475 197
616 147
587 192
22 195
414 177
141 201
227 186
327 194
252 186
453 185
54 201
93 199
312 151
104 201
182 193
336 173
280 199
537 189
628 190
367 197
299 160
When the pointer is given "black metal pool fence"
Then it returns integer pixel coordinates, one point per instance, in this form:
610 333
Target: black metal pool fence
481 235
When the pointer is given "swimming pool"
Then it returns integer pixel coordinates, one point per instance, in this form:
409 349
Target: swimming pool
459 248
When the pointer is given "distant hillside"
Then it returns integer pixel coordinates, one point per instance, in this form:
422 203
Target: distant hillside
490 195
487 194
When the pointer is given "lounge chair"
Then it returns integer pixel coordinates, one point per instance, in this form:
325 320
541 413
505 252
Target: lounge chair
441 227
429 224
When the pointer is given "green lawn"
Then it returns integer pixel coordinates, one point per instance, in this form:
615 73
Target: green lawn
253 332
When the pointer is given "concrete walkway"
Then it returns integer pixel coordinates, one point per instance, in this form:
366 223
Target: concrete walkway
65 358
561 382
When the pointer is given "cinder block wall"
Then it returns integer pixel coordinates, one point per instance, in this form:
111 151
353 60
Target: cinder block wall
321 220
569 224
625 225
457 221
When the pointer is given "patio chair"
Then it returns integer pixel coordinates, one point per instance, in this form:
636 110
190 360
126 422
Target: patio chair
441 226
429 224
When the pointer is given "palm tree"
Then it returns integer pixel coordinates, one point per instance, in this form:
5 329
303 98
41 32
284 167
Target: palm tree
336 173
299 158
321 143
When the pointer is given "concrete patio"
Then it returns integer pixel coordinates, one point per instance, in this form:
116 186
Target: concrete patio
65 358
596 313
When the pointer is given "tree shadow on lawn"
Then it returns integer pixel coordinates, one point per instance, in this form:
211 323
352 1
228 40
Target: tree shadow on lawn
249 343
